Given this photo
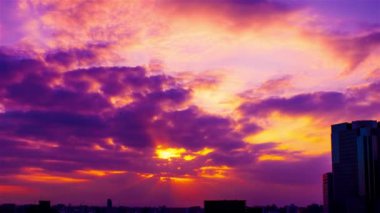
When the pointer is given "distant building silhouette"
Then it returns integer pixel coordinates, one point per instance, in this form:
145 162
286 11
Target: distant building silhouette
356 168
109 206
224 206
327 192
109 203
8 208
44 206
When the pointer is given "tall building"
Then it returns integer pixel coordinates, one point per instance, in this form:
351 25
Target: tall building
355 174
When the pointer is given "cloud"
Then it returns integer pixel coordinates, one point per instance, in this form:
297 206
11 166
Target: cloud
277 86
71 56
236 14
355 103
356 49
65 122
318 102
61 120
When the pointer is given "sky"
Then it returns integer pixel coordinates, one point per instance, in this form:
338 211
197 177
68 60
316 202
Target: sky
171 102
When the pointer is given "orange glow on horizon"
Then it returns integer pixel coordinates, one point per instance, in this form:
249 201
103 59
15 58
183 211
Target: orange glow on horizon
13 189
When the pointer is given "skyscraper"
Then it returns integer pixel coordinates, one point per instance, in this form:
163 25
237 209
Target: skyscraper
355 174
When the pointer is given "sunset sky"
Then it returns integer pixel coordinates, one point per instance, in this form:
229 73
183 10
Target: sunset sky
171 102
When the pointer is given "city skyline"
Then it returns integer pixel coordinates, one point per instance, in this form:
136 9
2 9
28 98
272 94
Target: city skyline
352 185
165 102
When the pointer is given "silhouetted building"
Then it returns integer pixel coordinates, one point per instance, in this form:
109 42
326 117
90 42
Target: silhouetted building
254 210
327 192
44 206
291 209
8 208
356 168
313 208
224 206
109 206
109 203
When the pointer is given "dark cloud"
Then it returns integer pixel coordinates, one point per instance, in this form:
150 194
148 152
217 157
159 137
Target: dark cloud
69 57
193 129
14 68
354 103
60 121
298 104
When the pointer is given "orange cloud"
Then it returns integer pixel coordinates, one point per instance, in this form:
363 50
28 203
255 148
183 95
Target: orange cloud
40 175
99 173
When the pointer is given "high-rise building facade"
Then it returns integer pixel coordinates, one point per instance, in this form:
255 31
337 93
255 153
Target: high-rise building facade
355 174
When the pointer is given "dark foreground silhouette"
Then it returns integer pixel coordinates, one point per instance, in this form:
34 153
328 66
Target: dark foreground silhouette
221 206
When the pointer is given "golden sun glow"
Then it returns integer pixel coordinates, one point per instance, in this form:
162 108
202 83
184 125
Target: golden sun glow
169 153
180 153
176 179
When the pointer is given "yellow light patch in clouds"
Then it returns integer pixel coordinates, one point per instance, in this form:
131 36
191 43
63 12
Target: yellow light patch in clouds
214 171
216 100
205 151
270 157
176 179
293 133
119 102
169 153
189 157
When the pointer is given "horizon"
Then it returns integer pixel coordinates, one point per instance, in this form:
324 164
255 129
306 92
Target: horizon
165 102
113 205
